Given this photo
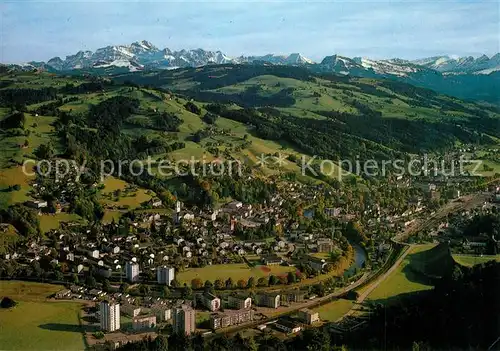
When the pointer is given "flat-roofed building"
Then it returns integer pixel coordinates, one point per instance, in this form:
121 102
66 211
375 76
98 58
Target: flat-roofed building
132 271
110 316
225 319
130 310
269 300
210 301
307 316
165 275
143 322
239 302
184 320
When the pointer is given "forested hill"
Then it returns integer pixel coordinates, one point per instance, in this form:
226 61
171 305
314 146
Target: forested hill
242 111
396 115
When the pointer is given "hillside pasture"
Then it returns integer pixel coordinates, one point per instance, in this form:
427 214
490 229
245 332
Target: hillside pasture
36 323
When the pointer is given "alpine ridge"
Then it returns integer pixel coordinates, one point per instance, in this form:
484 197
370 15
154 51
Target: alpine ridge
144 55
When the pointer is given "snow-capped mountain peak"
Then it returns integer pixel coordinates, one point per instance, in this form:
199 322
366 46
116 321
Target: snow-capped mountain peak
467 64
298 59
143 54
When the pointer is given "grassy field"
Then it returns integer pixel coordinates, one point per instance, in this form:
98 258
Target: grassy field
36 324
10 177
491 170
53 221
235 271
334 310
470 261
203 319
407 278
127 198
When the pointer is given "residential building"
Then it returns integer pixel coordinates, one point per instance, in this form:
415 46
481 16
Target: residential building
333 212
155 202
307 316
36 204
296 295
63 294
132 271
316 263
222 320
271 260
325 245
143 322
269 300
235 205
110 316
239 302
184 320
165 275
163 312
130 310
210 301
288 326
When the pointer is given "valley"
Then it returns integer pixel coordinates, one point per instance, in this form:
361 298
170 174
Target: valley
191 190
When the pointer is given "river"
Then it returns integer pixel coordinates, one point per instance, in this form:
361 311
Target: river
359 260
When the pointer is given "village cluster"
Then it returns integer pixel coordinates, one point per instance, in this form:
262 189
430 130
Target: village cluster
156 246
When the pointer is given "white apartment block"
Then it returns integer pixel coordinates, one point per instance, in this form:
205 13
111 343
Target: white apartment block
132 271
110 316
165 275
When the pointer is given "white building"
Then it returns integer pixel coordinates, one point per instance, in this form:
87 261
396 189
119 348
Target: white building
132 271
110 316
165 275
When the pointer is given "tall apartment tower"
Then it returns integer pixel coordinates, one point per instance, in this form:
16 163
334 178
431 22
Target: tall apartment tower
110 316
165 275
184 319
132 271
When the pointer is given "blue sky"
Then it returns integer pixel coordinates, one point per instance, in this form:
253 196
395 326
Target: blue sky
40 30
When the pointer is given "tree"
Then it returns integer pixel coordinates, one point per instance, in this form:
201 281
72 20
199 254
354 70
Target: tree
229 283
219 284
251 283
272 280
291 277
161 343
241 284
166 292
144 289
187 292
7 302
262 282
196 284
175 283
208 284
250 344
44 151
124 287
106 286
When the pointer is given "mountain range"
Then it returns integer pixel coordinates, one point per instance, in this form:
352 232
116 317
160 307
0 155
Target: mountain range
144 55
